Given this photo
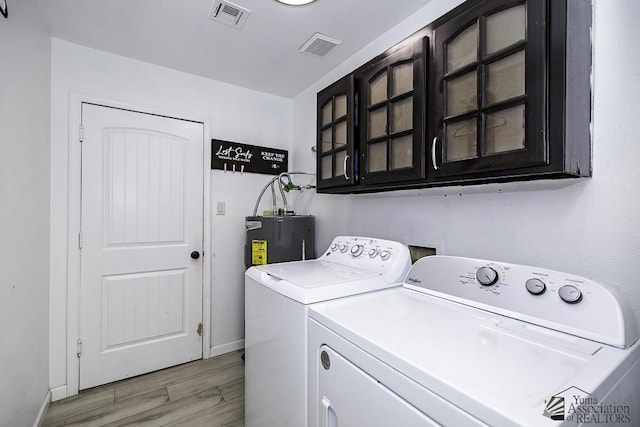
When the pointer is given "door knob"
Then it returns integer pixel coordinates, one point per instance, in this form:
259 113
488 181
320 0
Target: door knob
195 254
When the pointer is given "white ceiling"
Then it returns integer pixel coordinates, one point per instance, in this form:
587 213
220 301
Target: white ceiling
262 56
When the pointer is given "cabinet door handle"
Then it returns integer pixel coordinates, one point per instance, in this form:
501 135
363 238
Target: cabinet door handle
433 154
344 166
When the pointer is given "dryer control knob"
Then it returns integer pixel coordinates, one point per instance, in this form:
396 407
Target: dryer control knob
487 276
334 247
535 286
343 248
373 253
356 250
385 254
570 294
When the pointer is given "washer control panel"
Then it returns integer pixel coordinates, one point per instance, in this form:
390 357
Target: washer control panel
364 246
561 301
369 253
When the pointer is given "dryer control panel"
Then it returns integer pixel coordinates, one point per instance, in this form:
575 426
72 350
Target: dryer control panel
390 259
560 301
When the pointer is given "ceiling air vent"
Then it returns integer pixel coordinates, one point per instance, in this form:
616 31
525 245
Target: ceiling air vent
319 45
229 13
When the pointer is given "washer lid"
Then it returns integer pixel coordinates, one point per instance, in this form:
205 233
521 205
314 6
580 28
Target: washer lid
317 280
498 369
314 273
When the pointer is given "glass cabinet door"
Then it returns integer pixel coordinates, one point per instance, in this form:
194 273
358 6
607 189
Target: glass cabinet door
335 137
489 89
391 116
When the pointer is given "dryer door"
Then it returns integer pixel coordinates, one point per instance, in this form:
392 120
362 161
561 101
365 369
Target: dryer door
349 397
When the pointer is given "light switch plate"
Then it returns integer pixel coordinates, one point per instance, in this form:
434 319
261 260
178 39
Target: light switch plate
220 208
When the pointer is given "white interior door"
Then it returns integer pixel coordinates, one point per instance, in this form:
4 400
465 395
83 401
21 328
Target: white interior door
142 217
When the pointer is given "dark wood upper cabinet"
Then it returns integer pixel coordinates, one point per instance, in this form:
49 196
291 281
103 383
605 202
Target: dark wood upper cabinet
336 159
392 113
510 91
495 90
488 86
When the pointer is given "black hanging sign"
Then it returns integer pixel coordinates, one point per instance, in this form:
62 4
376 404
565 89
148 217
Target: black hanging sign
237 157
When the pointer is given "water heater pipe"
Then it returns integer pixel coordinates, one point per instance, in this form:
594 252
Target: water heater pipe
280 186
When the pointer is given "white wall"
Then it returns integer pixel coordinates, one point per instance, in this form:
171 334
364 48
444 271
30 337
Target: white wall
587 227
24 214
236 114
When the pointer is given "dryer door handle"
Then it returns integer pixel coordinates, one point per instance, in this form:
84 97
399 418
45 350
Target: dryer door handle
329 415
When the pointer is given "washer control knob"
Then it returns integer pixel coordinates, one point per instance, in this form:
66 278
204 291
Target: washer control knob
570 294
334 247
487 276
536 286
343 248
385 254
356 250
373 253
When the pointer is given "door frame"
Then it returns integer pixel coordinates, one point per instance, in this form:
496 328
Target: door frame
73 227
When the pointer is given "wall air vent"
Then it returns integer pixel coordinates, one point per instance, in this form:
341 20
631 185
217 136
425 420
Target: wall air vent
319 45
228 13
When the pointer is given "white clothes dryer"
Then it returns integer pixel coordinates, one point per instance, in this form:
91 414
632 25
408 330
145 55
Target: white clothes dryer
468 342
277 298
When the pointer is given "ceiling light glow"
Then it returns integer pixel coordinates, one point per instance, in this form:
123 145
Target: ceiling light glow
296 2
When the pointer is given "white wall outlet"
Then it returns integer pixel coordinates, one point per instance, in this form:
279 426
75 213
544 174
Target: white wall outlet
220 208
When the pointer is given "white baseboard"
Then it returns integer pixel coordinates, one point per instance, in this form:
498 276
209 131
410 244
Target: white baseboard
58 393
226 348
43 410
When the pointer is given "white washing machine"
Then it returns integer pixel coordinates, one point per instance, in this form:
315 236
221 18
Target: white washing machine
467 342
277 297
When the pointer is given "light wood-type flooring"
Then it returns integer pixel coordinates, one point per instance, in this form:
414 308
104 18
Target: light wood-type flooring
202 393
